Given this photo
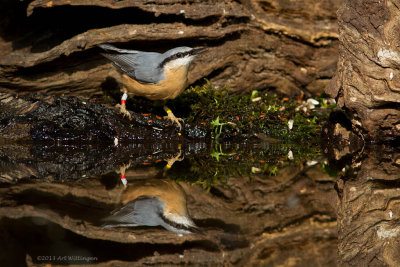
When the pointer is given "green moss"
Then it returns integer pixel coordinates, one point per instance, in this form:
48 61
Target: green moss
237 116
238 119
255 124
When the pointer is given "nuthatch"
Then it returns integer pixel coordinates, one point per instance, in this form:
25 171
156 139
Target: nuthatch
152 75
153 202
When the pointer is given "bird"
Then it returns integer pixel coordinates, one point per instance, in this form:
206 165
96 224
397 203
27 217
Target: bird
153 202
152 75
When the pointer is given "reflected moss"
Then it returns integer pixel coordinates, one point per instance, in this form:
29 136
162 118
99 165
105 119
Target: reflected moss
239 160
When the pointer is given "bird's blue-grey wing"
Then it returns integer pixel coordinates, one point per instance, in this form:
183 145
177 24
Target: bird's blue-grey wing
147 67
143 211
144 67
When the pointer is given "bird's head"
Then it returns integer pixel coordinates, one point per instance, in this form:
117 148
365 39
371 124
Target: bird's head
178 223
180 57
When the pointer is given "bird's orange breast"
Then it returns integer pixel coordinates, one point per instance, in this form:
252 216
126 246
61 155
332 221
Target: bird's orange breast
169 88
167 191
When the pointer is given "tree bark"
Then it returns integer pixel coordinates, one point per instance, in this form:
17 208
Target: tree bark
49 46
367 80
72 119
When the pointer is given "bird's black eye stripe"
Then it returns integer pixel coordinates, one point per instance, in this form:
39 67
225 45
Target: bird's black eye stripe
175 56
181 55
174 224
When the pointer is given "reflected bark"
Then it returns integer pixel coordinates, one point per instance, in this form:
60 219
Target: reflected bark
255 219
369 209
49 160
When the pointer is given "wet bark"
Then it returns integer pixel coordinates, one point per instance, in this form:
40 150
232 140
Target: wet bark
368 74
66 119
49 46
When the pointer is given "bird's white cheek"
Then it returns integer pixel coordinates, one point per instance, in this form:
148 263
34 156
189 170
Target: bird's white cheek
179 219
179 62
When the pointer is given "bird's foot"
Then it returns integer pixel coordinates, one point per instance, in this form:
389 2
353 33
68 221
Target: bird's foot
171 161
124 111
178 157
174 119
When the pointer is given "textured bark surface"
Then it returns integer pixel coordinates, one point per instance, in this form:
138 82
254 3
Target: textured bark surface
282 220
64 119
368 74
48 45
369 209
341 141
368 188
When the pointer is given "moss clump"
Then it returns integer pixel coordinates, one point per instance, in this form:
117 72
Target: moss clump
243 116
285 132
285 126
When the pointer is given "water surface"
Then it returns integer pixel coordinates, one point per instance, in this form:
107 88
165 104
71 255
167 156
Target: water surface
264 203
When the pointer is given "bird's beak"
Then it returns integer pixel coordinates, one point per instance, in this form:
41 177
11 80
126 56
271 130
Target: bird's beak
198 51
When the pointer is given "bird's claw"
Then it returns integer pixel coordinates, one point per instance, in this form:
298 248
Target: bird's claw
174 119
179 157
124 111
171 161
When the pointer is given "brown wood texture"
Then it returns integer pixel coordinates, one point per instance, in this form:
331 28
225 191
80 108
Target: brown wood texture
368 74
286 46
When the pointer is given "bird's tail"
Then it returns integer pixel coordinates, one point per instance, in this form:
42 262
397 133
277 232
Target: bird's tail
112 49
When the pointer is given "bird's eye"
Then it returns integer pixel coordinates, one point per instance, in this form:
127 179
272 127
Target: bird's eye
179 55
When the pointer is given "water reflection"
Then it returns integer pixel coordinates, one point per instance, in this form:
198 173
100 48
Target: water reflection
153 202
369 208
68 161
252 202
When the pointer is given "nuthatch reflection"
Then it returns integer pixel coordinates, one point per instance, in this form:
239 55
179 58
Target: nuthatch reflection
153 202
168 166
172 160
152 75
